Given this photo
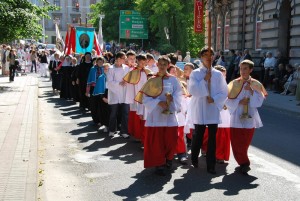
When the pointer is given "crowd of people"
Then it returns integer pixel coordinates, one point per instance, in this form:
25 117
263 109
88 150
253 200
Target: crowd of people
166 108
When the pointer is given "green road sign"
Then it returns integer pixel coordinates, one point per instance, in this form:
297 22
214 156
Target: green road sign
133 25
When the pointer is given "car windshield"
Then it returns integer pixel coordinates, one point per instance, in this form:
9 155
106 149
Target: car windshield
50 46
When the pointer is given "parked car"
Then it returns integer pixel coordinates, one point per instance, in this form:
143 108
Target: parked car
51 48
40 45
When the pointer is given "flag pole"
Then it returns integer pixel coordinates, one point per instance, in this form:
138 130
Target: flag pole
209 42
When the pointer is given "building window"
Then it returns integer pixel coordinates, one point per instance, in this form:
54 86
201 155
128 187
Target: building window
56 2
226 31
75 5
75 19
218 43
57 19
92 1
259 16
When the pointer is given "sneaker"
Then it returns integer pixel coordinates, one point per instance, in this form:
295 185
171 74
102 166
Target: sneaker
111 134
124 135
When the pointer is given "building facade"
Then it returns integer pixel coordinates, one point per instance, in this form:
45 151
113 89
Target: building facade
257 25
71 12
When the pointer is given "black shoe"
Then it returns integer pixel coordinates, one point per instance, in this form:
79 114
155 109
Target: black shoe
183 160
211 171
195 164
188 142
220 161
160 170
169 164
245 169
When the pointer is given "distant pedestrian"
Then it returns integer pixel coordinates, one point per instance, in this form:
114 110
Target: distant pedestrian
33 58
231 66
269 66
12 59
43 64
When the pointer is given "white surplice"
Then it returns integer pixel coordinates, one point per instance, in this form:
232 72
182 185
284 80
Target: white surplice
132 90
200 111
117 93
155 117
236 110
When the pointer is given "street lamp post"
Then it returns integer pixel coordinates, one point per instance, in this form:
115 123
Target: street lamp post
44 32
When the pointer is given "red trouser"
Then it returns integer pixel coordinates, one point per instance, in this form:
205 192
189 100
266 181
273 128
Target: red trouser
159 145
240 141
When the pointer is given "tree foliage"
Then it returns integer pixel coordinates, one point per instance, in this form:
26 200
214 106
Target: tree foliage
20 19
111 10
175 15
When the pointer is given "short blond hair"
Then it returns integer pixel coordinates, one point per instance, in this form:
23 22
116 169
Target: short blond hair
250 63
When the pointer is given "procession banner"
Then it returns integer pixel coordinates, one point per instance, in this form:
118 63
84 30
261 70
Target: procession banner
198 16
84 39
60 45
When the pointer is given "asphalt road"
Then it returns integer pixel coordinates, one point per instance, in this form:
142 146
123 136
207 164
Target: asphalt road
78 163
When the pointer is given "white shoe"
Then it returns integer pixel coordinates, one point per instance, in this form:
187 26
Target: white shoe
105 130
124 135
101 128
111 134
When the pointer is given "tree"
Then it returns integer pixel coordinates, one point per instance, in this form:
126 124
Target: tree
111 10
20 19
177 16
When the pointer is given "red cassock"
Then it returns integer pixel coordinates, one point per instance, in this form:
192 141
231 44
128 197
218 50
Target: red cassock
131 118
222 143
136 126
240 141
181 146
159 145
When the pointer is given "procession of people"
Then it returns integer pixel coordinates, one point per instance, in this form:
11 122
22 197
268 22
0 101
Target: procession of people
167 109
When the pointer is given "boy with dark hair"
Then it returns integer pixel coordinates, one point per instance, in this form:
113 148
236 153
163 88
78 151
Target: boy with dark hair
119 103
209 92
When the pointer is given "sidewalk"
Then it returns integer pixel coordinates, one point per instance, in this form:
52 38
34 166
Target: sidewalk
282 102
18 138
